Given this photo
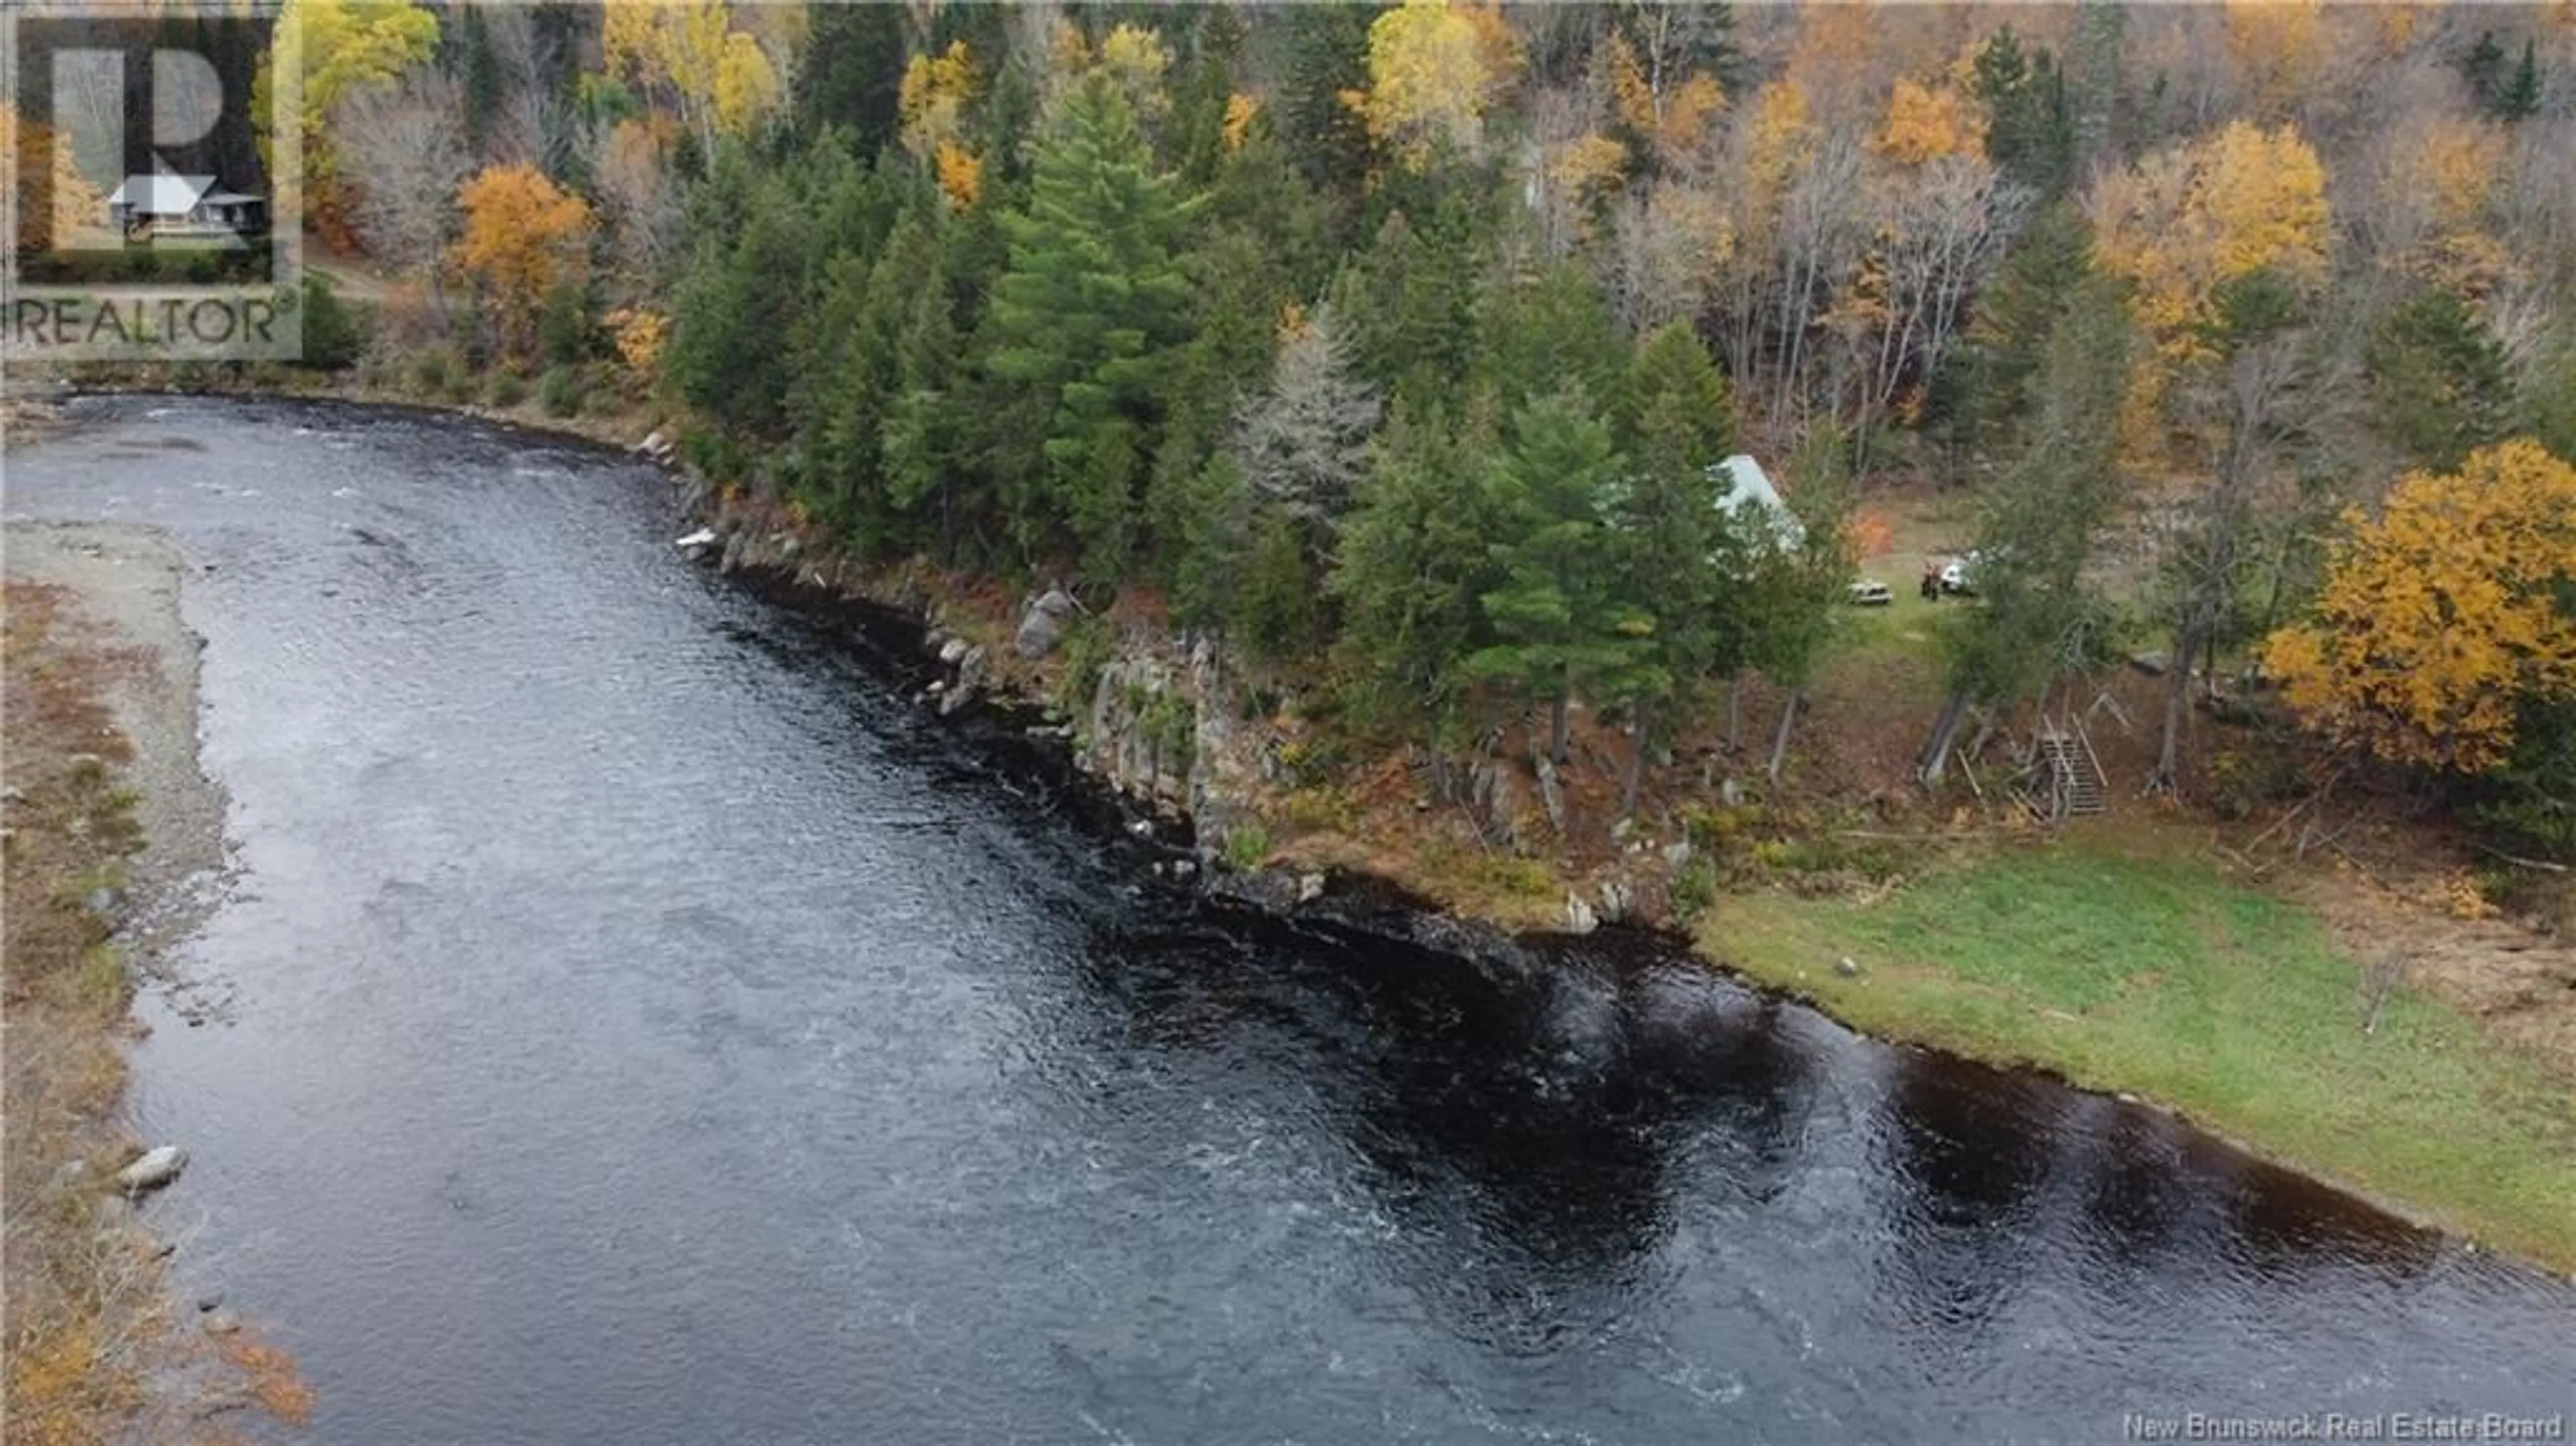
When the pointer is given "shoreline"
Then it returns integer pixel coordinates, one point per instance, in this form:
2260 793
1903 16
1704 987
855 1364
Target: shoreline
116 855
795 573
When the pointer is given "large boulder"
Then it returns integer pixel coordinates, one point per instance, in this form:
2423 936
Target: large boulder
152 1169
1042 627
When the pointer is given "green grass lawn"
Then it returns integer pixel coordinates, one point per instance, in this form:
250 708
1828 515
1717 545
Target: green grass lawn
2155 976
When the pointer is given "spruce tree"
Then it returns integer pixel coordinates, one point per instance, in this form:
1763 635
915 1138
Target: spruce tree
1671 570
2438 385
1560 625
1415 558
852 69
2519 99
1553 331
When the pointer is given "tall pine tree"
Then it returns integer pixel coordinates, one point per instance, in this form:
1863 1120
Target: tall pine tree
1559 623
1091 308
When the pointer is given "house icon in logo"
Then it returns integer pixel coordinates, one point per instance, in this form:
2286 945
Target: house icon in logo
168 209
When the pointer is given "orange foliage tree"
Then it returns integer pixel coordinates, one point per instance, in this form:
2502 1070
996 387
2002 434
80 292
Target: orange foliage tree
522 238
2188 220
2445 614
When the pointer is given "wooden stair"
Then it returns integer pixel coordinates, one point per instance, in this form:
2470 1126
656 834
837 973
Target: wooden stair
2069 773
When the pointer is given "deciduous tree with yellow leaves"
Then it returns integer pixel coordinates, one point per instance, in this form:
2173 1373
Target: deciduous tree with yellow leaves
721 79
344 46
1434 68
2189 220
2445 615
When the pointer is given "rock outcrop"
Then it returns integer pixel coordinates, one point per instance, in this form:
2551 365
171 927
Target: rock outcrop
152 1169
1043 625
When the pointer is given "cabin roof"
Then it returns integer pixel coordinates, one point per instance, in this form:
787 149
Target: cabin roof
162 193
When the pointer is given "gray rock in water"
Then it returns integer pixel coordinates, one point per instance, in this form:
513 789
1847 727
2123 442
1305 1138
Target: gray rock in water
209 1301
1043 626
971 665
222 1323
1310 887
153 1169
952 650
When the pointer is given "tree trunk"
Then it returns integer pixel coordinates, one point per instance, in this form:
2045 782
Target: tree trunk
1945 731
1780 740
1641 738
1556 730
1734 713
2177 711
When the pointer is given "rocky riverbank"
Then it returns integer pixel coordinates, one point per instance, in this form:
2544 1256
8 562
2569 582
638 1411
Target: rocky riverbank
1157 720
113 846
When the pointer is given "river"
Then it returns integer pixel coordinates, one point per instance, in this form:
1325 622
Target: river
630 1020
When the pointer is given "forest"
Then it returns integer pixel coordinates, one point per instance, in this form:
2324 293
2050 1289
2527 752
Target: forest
1398 346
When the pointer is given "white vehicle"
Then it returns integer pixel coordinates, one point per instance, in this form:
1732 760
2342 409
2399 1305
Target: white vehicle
1959 576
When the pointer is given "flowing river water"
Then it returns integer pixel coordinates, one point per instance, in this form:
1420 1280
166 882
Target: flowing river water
630 1020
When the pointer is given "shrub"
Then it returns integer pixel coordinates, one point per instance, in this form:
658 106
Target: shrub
564 333
560 389
1246 847
435 372
1087 647
333 337
508 388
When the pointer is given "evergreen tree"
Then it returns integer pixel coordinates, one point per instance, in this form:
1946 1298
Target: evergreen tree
478 73
1087 316
2484 68
851 72
2438 386
739 308
1261 193
1273 609
1236 297
2037 526
1410 303
1203 85
925 475
1672 568
1327 60
2519 99
1983 388
1211 523
1560 626
1554 331
1791 580
2031 127
1415 559
2548 405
